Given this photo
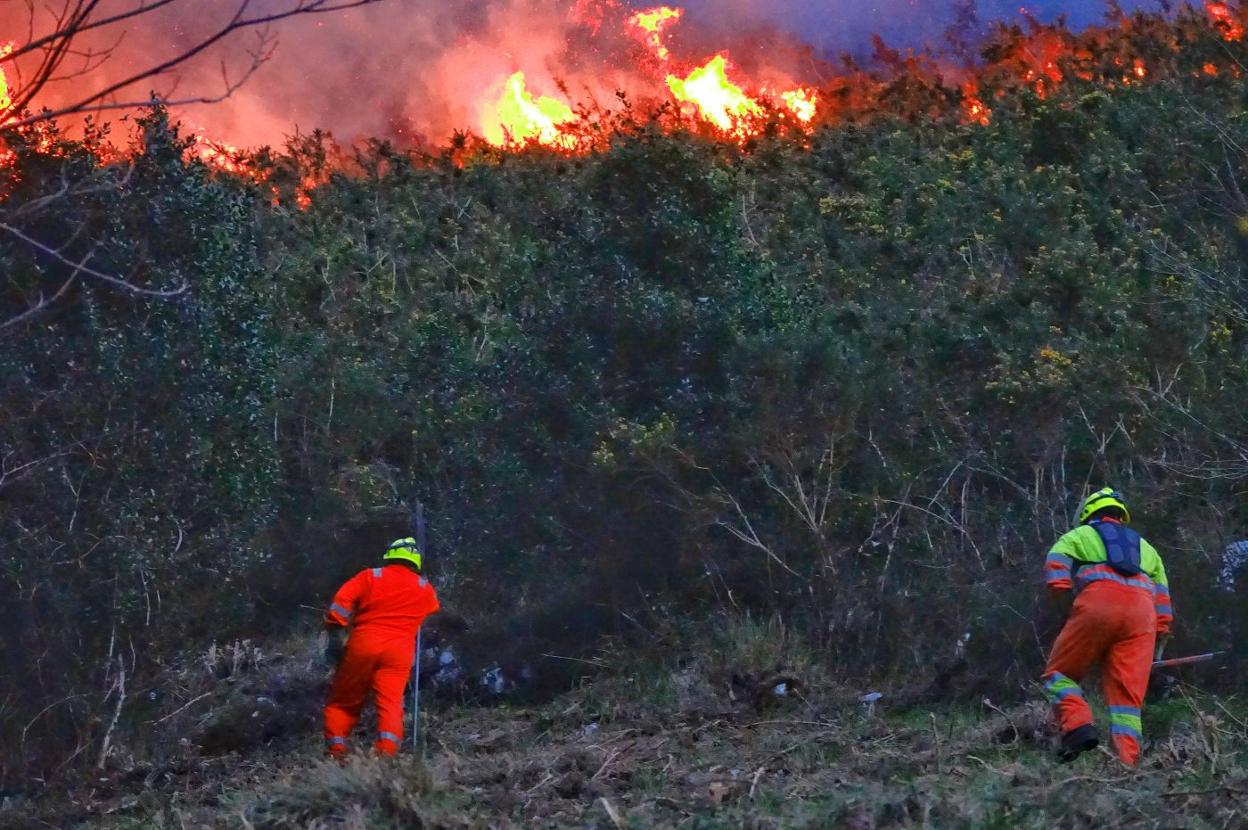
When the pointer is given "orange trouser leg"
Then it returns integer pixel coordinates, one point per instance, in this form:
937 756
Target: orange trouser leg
347 694
1127 667
1080 645
389 681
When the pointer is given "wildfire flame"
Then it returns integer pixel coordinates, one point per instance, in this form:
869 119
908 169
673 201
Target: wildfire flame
519 117
1220 13
803 103
717 99
5 101
635 53
7 157
652 23
973 108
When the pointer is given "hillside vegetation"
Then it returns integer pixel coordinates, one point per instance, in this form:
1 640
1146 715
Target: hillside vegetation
856 382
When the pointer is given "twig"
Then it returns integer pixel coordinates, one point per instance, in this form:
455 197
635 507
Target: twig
758 774
549 777
986 765
121 699
611 756
789 723
181 708
597 663
612 813
1008 719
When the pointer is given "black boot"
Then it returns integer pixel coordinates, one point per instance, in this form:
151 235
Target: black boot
1076 742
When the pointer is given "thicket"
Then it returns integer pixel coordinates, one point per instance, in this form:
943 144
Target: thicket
859 381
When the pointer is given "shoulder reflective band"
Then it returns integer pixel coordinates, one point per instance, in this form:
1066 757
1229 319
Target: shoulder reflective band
376 572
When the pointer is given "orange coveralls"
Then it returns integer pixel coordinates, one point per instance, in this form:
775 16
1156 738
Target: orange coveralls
384 608
1115 621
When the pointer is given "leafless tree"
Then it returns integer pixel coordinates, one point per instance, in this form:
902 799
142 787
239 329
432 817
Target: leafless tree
57 69
68 42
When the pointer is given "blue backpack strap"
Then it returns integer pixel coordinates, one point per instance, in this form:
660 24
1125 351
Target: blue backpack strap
1122 547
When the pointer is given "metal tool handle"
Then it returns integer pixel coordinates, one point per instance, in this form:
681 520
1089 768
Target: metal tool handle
1183 661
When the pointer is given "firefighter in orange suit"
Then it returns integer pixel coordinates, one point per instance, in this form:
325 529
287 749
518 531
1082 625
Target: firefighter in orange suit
383 608
1120 618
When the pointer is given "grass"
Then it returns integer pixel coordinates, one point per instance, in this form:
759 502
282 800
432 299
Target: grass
690 744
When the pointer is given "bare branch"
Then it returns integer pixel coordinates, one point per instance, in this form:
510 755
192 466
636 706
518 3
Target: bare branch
76 19
80 267
37 306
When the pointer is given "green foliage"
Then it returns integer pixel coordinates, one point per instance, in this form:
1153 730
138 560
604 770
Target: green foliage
859 382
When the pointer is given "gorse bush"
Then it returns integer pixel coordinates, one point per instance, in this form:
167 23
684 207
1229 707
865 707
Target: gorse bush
859 382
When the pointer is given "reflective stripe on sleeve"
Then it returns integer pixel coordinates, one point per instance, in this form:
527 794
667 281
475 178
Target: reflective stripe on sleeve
1165 611
1057 566
376 573
388 736
338 609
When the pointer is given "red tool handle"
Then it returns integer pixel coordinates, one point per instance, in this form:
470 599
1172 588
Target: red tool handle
1183 661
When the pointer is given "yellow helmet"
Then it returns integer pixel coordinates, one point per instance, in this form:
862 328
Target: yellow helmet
1105 497
406 550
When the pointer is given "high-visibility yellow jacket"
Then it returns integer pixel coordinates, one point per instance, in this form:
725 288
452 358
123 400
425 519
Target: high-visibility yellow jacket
1079 558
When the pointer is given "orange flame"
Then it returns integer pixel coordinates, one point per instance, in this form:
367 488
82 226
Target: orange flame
973 107
1231 28
5 100
223 157
802 103
717 99
519 117
652 22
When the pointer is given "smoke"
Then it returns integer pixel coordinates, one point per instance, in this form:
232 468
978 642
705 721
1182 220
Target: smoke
417 70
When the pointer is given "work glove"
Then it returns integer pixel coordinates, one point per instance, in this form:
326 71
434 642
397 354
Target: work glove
335 645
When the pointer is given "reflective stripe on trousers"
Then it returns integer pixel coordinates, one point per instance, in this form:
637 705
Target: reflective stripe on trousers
1060 687
1125 720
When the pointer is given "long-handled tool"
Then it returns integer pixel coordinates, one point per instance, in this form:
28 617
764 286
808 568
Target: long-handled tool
1183 661
418 528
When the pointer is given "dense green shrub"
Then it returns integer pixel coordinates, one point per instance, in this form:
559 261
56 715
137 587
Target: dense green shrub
860 380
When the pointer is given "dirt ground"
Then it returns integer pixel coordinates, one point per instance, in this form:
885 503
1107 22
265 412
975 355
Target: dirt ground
695 747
